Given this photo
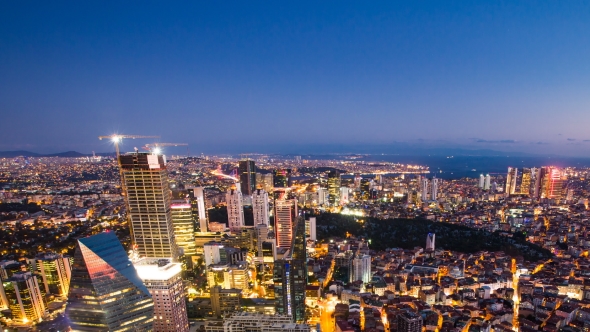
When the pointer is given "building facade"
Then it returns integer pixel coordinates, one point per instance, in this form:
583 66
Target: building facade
235 209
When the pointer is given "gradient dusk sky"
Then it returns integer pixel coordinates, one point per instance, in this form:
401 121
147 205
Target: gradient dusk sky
296 76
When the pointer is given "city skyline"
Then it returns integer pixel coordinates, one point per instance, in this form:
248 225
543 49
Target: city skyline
506 76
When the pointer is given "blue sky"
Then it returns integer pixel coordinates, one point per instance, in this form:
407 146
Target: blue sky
297 76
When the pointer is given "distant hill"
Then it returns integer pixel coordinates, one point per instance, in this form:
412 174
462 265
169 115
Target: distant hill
67 154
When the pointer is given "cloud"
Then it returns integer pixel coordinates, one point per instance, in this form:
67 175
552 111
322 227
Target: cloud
503 141
541 143
571 139
587 140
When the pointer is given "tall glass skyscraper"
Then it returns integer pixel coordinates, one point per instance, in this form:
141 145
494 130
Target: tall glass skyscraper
334 188
247 169
106 294
148 196
290 276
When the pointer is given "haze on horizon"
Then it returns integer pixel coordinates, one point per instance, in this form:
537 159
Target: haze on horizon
297 77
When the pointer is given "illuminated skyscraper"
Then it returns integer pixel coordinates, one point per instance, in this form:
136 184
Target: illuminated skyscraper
430 241
163 279
184 230
361 268
285 214
424 189
260 207
247 170
106 294
290 276
487 183
55 273
22 294
197 201
526 181
334 187
235 209
310 228
148 197
281 178
511 180
552 183
481 181
434 190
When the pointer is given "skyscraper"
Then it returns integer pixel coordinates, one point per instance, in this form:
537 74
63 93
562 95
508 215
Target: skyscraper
481 181
526 181
197 201
511 180
281 178
106 294
235 209
434 191
552 183
148 196
424 189
487 183
184 231
430 241
260 207
54 272
285 214
361 268
24 298
163 279
310 228
261 237
290 276
334 187
247 169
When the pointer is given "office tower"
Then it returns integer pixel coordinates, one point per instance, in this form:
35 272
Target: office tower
486 185
10 267
228 276
409 322
55 272
214 253
197 201
323 196
148 197
430 241
261 237
310 228
290 276
265 181
184 230
224 301
344 195
365 188
511 180
235 209
247 170
281 178
361 268
343 261
526 181
334 187
163 279
105 291
24 298
481 181
434 191
269 251
424 189
552 183
260 207
285 214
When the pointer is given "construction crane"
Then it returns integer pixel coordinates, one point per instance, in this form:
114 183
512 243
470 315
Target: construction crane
117 138
155 147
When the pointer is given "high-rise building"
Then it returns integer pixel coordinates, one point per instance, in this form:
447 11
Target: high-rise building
409 322
344 199
284 214
261 237
334 187
184 230
55 272
228 276
260 207
247 169
214 253
434 190
106 294
256 322
23 297
487 182
197 200
281 178
265 181
552 183
290 276
424 189
10 267
361 268
310 228
481 181
163 279
323 196
235 209
430 241
148 197
511 180
224 301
